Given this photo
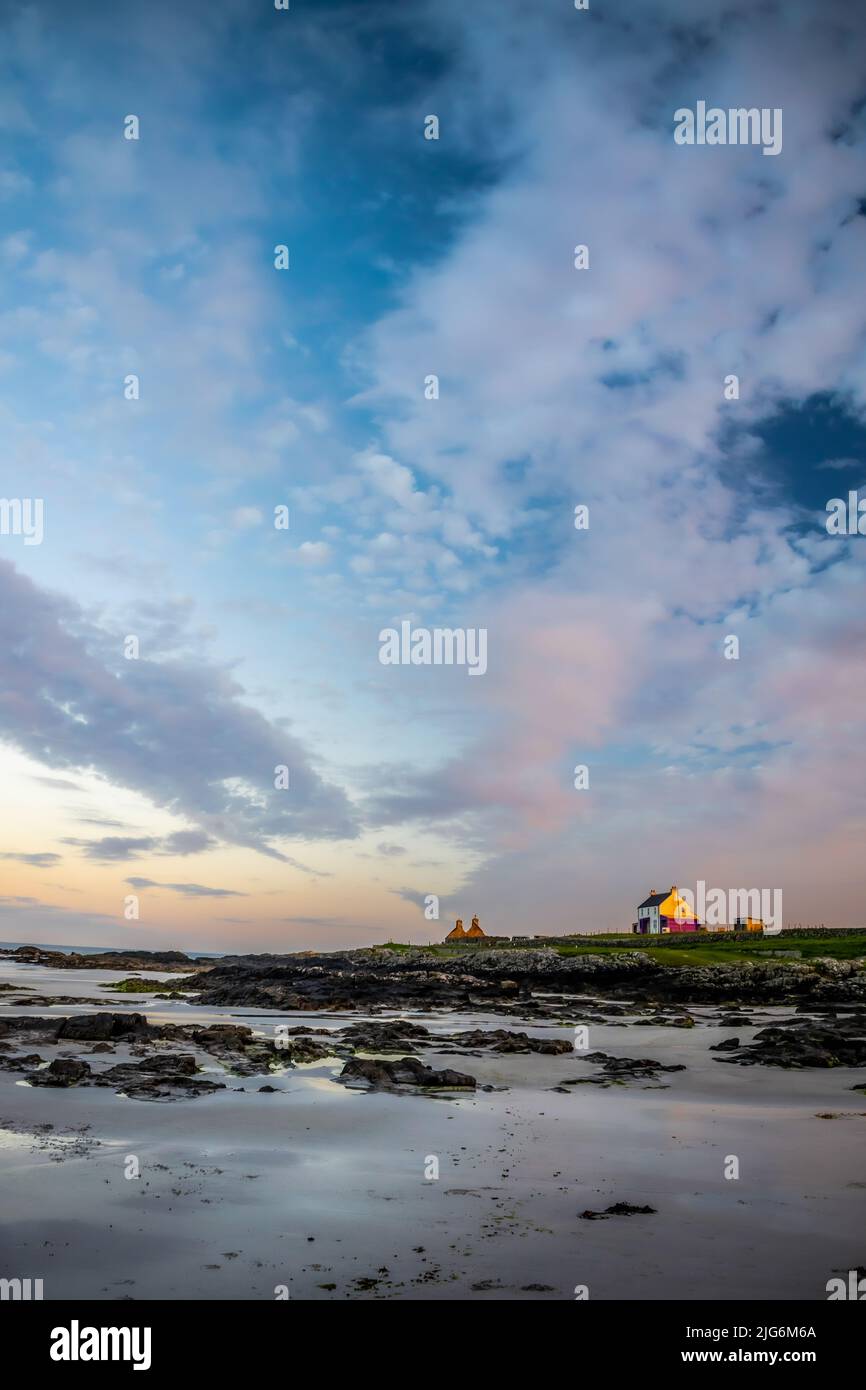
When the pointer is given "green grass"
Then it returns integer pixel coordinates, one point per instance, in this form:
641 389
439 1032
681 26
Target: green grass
842 947
845 946
133 985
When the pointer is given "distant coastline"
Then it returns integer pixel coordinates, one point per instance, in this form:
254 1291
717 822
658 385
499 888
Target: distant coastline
73 950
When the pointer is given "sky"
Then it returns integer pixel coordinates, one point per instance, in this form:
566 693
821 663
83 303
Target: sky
140 777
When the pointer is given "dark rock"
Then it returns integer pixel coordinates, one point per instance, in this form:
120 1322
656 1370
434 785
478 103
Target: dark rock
64 1071
374 977
27 1023
618 1209
628 1066
168 1077
42 1001
22 1063
384 1037
840 1043
397 1035
100 1027
234 1036
385 1074
499 1040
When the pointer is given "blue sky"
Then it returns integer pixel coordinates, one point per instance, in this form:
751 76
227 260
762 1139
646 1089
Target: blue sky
305 388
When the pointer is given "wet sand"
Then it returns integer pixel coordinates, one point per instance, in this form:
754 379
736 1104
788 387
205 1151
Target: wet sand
322 1189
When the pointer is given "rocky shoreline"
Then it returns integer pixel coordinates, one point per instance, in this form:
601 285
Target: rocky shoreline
381 1054
374 978
103 960
531 983
161 1073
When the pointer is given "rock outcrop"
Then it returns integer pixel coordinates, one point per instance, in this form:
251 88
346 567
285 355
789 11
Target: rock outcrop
383 1074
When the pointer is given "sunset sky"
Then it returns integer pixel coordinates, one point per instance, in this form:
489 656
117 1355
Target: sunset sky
304 388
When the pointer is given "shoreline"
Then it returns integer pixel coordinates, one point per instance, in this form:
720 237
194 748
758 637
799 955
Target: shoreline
319 1187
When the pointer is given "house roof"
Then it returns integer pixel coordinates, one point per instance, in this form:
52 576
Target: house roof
654 900
456 933
476 931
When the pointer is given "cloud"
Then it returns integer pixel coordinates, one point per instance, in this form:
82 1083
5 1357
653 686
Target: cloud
305 868
604 388
119 847
420 900
187 890
110 848
37 919
329 922
178 733
114 847
183 842
99 820
309 553
15 247
242 518
39 860
557 387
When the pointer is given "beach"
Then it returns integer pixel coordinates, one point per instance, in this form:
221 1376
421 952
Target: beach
318 1191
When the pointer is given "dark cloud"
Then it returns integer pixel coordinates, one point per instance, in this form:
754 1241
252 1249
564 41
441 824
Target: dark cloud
119 847
113 847
182 842
39 860
399 794
411 895
177 732
187 890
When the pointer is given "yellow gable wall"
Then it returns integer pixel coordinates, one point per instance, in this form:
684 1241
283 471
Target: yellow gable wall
675 906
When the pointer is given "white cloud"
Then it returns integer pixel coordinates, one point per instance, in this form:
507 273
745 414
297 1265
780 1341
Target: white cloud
243 518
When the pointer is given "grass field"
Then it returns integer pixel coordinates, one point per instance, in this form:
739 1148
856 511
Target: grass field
844 946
